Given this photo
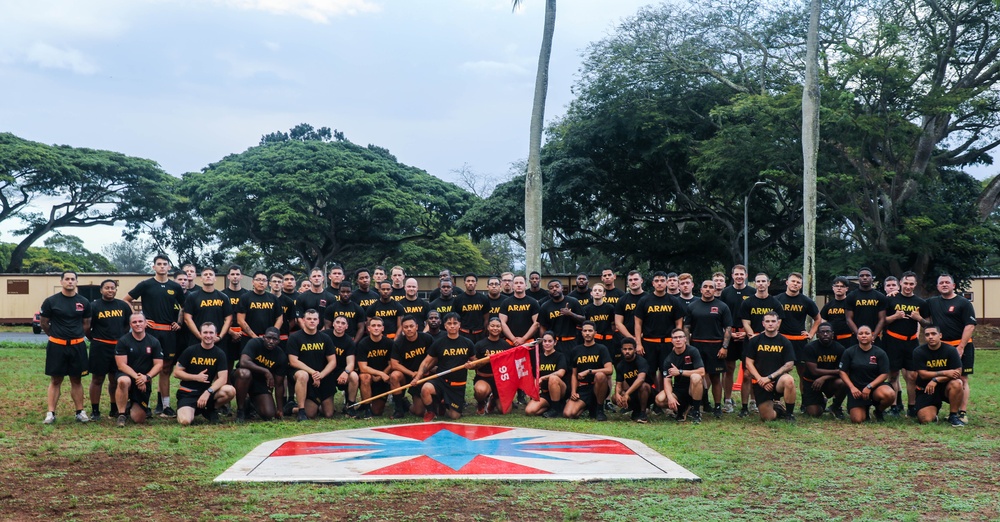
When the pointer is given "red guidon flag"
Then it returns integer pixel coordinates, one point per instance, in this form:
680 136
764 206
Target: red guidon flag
512 371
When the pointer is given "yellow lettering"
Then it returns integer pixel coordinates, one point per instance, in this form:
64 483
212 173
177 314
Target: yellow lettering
794 307
659 309
385 313
773 348
937 363
866 302
265 362
107 314
760 310
599 318
311 347
585 359
210 302
267 305
827 358
448 352
472 308
518 307
415 353
203 361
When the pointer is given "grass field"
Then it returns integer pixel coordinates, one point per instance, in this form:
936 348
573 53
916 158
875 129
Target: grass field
812 470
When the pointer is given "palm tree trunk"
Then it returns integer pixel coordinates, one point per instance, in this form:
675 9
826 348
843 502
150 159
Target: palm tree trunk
533 178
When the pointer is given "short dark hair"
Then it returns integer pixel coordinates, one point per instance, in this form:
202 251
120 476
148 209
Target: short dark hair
158 257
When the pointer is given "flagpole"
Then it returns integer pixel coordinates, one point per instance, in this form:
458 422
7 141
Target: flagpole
538 368
431 377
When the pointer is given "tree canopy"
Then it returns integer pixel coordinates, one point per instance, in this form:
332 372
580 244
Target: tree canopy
308 201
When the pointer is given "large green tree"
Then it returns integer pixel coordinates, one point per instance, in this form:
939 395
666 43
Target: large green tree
51 188
311 200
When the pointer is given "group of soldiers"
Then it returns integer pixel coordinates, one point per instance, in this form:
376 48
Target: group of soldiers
281 350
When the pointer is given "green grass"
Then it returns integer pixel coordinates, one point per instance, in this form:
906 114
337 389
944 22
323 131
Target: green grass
813 470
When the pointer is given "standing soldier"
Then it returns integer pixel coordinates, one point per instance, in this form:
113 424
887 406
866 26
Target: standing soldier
65 319
162 300
108 322
733 296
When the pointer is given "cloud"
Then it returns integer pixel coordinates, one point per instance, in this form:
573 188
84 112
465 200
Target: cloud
51 57
319 11
494 68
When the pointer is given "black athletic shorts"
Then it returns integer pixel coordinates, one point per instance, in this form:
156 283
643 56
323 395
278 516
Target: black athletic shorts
66 360
136 396
102 358
488 380
327 389
935 399
684 399
969 359
189 399
811 397
451 394
258 386
710 356
168 344
761 395
586 393
735 351
863 403
900 352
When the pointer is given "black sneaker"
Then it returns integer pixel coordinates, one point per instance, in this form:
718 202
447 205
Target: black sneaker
894 411
911 412
838 413
642 419
241 416
302 415
717 412
634 415
95 416
743 413
879 416
790 417
352 412
600 415
399 410
168 413
955 421
213 417
551 413
121 421
366 413
695 416
159 409
779 409
289 409
610 406
224 411
656 410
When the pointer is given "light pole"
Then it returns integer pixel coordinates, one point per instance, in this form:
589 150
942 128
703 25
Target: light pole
746 226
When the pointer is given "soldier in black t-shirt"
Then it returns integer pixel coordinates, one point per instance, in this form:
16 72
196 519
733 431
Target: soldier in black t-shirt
519 315
312 358
708 321
387 309
364 295
408 351
900 338
939 378
656 315
560 314
258 310
203 371
349 310
866 306
733 296
494 296
602 313
373 354
864 368
591 368
209 306
484 387
413 305
108 322
260 376
315 298
65 317
162 301
138 358
346 372
446 394
552 380
821 377
835 312
474 310
581 292
683 375
631 389
445 301
533 289
769 359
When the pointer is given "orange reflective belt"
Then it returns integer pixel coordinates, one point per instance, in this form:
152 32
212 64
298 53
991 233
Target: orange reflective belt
955 343
563 339
64 342
602 337
705 341
841 337
235 329
656 339
283 337
474 332
158 326
795 337
390 336
106 341
457 383
901 337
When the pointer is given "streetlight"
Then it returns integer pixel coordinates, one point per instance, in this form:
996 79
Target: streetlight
746 226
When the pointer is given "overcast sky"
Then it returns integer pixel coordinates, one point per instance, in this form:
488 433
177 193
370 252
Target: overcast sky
186 82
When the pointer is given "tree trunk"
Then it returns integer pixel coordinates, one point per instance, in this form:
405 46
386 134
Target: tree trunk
810 144
533 179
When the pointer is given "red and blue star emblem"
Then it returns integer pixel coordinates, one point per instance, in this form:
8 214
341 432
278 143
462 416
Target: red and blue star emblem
451 450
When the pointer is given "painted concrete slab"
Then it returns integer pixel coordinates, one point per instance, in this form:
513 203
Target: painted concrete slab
446 450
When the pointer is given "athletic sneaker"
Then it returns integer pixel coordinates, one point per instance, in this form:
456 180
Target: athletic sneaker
352 412
717 411
656 410
695 416
963 417
838 413
551 413
159 409
213 416
224 411
879 416
400 411
894 411
95 416
743 413
50 418
643 419
301 416
790 417
168 413
753 406
429 415
121 421
955 421
81 416
600 415
911 411
610 406
241 416
728 406
289 409
366 413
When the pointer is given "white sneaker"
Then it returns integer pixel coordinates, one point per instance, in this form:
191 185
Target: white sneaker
82 417
50 418
753 406
729 406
